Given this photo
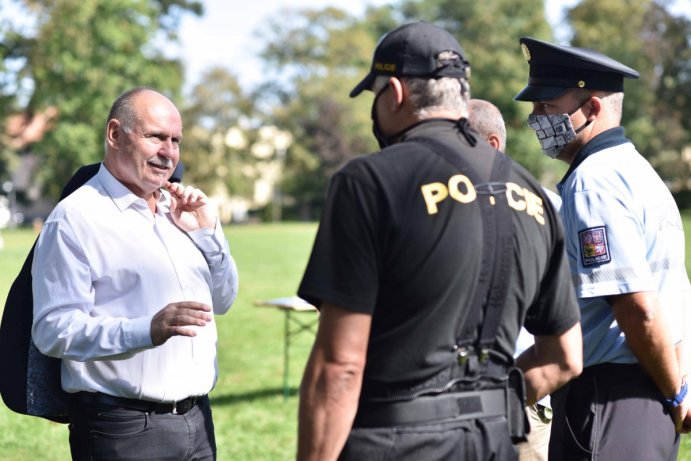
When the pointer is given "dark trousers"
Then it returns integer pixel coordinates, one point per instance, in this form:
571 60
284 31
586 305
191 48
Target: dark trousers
611 412
468 440
100 432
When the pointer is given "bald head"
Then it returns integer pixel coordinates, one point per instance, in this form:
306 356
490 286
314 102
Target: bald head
485 118
143 137
125 107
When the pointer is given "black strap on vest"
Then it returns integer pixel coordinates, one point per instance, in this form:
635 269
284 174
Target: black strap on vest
495 271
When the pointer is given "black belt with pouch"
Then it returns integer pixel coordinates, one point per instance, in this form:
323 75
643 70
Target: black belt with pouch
507 401
519 426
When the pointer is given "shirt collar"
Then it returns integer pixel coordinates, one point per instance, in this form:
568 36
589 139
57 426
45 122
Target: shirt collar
609 138
425 125
122 196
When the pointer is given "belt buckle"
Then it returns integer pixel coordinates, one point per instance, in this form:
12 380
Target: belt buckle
183 406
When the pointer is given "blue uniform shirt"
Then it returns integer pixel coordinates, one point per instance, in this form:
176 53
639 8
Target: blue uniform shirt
623 235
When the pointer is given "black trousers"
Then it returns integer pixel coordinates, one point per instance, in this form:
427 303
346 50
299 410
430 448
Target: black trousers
611 412
484 439
102 432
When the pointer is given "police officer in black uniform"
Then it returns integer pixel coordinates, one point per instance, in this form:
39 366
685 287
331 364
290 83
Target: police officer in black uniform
430 255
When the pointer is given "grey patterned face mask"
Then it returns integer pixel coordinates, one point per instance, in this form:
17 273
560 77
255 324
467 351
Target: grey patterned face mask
553 131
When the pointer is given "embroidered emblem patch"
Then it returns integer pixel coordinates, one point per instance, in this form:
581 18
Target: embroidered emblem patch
594 249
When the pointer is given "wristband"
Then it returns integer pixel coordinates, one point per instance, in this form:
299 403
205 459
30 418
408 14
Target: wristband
679 398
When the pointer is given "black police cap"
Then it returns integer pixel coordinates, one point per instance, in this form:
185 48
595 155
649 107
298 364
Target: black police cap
412 50
556 68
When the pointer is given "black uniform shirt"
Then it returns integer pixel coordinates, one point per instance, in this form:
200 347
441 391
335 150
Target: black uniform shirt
401 239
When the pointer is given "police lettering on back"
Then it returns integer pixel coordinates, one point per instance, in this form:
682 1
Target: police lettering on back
461 189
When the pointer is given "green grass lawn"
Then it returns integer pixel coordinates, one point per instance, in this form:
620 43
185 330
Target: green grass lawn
253 419
254 422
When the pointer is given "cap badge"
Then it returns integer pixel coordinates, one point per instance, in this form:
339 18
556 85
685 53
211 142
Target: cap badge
384 67
526 51
581 84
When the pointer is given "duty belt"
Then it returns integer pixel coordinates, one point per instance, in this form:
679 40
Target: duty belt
455 405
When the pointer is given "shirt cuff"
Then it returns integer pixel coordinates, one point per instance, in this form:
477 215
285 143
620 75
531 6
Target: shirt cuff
138 334
211 242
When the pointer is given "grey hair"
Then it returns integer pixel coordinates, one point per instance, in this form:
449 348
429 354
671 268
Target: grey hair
485 118
429 95
615 103
446 93
124 111
123 108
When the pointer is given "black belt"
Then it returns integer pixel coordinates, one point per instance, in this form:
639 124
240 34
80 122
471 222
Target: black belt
455 405
98 398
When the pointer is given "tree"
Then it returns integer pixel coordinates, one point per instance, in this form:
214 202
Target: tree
81 55
217 135
646 36
315 57
320 56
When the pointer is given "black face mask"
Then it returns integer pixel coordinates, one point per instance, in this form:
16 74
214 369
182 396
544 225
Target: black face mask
376 129
382 139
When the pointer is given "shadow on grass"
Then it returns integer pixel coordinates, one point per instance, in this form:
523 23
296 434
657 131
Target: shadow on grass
252 396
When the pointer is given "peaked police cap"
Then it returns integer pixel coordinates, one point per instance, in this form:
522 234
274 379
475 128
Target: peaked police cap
556 68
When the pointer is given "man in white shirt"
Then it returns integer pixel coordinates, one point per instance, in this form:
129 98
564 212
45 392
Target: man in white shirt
127 274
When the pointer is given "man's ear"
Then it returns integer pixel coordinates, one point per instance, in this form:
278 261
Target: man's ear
494 141
594 108
400 91
113 132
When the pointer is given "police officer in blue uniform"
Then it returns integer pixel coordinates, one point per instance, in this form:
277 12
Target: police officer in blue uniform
625 245
430 255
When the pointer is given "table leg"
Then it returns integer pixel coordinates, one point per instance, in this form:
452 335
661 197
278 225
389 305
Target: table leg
292 326
286 355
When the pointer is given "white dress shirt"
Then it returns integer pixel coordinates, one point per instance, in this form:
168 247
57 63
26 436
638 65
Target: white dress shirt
103 266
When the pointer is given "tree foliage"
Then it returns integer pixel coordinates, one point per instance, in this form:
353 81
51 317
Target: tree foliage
320 55
80 56
216 106
646 36
324 53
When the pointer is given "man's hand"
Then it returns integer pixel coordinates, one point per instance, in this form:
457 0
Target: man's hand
680 416
190 207
172 320
686 423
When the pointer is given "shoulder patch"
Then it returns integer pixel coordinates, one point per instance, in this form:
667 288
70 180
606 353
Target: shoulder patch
594 248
